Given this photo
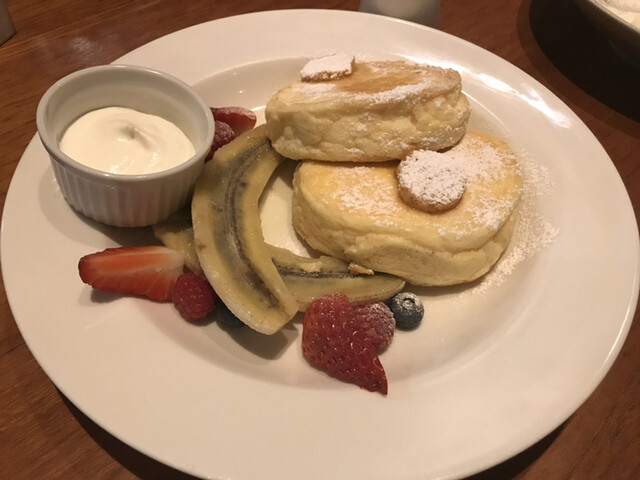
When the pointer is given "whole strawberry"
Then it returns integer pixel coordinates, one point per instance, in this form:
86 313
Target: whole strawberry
193 296
333 341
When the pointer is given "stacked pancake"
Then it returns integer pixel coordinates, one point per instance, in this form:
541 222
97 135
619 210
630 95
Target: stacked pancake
381 111
355 134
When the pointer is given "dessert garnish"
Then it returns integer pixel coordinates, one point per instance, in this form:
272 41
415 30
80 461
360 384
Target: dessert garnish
407 310
330 67
229 123
430 181
334 341
150 271
240 119
378 322
228 233
193 296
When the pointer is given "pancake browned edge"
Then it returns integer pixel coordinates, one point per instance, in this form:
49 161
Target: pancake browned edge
382 111
355 212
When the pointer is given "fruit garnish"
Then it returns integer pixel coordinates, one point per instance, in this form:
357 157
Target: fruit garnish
230 122
306 278
150 271
311 278
228 233
240 119
377 320
333 341
193 296
176 232
407 309
223 135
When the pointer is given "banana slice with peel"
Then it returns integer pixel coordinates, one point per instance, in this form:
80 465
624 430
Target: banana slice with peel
176 232
306 278
228 233
311 278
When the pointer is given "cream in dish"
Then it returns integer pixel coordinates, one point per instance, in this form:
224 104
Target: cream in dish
125 141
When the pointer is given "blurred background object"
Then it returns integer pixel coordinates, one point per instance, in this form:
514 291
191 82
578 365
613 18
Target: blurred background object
586 55
7 29
425 12
619 22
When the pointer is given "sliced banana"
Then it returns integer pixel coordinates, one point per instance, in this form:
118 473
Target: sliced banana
306 278
311 278
176 232
228 233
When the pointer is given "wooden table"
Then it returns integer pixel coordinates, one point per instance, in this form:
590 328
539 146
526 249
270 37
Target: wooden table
42 435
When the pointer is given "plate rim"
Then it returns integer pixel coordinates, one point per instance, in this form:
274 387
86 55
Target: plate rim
625 326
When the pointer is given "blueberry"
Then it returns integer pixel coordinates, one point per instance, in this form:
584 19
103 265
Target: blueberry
225 317
407 309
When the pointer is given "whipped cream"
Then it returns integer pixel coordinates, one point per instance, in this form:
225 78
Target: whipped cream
125 141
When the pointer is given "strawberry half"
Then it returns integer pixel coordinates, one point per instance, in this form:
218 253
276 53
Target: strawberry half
149 271
333 341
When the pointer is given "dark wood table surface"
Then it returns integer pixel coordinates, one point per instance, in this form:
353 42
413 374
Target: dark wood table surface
42 435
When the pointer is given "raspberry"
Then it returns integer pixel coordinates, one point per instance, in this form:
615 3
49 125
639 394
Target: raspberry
333 341
193 296
223 135
377 320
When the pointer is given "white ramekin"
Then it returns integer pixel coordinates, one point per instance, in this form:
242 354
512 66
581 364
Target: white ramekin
118 199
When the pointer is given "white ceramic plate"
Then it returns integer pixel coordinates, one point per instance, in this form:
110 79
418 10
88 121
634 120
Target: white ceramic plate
484 377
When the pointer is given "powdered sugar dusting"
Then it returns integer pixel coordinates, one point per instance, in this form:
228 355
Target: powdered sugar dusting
489 212
316 89
430 180
397 94
480 161
532 231
330 67
340 65
471 161
400 93
359 198
475 162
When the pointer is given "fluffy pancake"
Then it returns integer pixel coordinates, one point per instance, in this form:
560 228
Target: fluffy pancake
355 212
383 110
